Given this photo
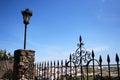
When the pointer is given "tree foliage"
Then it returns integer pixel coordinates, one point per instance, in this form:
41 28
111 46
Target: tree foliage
4 55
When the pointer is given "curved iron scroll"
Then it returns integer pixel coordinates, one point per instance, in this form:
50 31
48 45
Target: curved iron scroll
81 54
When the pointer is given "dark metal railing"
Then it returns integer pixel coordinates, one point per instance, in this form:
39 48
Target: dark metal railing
67 70
81 65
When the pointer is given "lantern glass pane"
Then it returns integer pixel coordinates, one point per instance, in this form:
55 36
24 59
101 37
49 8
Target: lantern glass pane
26 18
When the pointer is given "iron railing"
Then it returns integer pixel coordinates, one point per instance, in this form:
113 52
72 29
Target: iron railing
81 65
67 70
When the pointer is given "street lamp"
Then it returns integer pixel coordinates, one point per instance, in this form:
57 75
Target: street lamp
26 17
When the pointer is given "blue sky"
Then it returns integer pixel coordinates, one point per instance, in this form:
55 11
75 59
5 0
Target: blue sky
56 25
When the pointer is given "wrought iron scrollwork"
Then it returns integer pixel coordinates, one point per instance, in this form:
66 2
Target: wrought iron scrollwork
81 54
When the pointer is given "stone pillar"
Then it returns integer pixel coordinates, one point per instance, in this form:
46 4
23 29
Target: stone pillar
23 65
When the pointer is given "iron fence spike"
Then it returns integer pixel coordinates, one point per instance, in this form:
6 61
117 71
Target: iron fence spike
70 57
58 62
61 62
117 58
100 59
108 59
93 55
51 63
80 39
54 62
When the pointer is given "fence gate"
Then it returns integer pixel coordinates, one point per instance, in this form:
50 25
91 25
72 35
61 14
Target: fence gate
81 65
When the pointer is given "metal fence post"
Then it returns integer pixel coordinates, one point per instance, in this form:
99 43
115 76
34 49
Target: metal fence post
93 64
100 61
108 60
117 60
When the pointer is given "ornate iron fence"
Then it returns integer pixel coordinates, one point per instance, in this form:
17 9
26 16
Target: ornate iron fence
67 70
81 65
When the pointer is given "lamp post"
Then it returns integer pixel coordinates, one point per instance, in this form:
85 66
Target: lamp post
23 68
26 17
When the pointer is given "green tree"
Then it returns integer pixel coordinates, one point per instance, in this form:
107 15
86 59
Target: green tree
2 53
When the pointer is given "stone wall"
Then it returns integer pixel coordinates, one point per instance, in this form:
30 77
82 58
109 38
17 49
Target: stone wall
23 65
